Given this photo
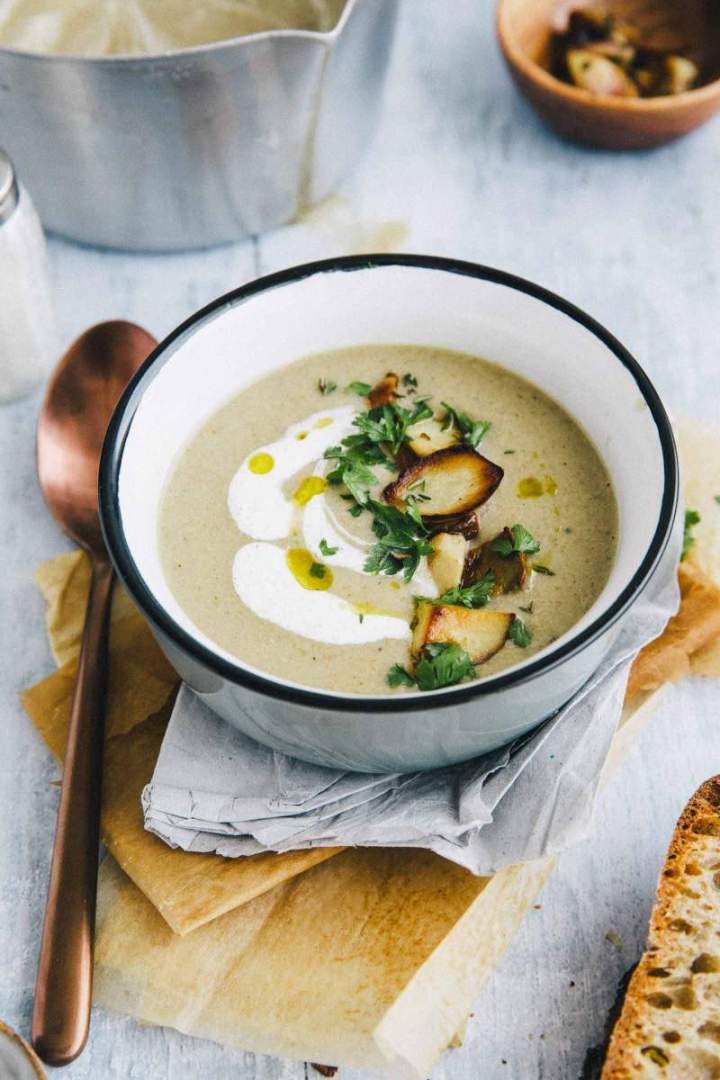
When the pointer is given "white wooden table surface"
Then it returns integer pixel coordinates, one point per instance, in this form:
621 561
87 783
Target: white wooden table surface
460 167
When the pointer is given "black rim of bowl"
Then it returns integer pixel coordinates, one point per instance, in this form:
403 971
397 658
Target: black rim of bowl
234 672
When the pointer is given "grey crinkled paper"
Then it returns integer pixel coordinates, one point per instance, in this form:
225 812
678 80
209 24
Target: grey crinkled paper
216 790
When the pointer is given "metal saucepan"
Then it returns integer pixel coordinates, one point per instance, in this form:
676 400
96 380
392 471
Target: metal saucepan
200 146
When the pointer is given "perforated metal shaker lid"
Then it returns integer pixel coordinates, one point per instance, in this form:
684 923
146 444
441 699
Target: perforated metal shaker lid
8 187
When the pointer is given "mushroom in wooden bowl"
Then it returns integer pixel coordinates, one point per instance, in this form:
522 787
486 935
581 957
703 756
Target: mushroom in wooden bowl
624 75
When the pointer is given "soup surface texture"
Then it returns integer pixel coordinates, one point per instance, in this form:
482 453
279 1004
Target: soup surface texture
138 27
444 526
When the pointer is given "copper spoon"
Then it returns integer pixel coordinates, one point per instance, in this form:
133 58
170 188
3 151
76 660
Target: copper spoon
79 402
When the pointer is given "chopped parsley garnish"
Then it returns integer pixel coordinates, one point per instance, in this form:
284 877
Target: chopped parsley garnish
325 548
325 386
540 569
402 536
409 382
352 469
519 633
441 665
717 499
472 431
399 676
362 389
388 424
418 490
471 596
317 570
508 451
692 518
522 541
402 539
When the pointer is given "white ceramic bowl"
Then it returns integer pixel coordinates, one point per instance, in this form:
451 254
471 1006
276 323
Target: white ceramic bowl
393 299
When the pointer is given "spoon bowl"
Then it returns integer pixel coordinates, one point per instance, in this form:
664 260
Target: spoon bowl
75 414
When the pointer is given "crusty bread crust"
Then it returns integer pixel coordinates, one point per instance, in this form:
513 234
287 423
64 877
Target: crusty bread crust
669 1028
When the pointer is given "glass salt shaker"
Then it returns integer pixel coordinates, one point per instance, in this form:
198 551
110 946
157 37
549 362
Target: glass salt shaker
28 337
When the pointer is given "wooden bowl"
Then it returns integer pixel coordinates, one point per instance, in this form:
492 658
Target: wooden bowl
690 27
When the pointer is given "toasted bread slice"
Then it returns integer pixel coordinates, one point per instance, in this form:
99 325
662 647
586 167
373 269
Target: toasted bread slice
428 436
447 561
480 633
669 1028
452 481
511 572
384 392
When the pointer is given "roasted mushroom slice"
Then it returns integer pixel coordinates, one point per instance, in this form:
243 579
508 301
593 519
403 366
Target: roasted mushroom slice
447 561
479 632
618 51
511 572
384 392
467 525
589 24
429 436
680 75
452 481
599 75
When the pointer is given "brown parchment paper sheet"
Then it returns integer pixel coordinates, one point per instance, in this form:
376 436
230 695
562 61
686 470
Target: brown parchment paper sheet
187 889
374 958
691 642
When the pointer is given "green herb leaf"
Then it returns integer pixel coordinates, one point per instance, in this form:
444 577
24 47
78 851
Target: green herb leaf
519 633
522 542
717 499
353 471
388 424
317 570
471 596
325 386
508 451
362 389
410 382
325 548
441 664
402 540
472 431
692 518
402 537
540 569
399 676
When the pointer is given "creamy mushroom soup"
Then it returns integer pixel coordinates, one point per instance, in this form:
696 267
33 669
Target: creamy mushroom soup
385 518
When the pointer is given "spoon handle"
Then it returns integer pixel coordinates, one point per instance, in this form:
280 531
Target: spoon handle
63 991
